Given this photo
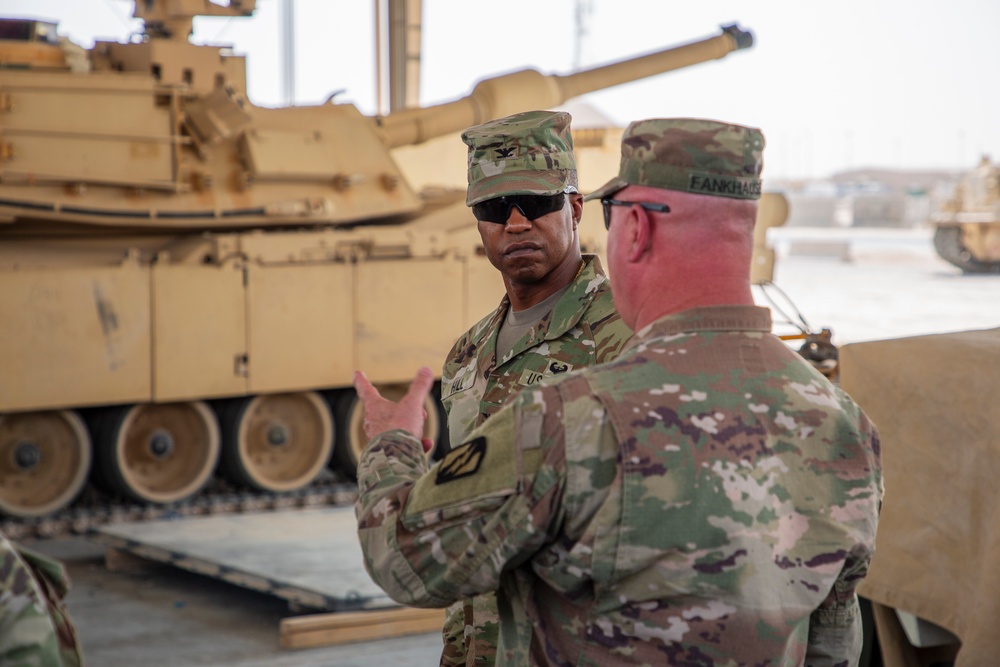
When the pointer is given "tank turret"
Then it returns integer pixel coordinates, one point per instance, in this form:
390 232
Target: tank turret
188 281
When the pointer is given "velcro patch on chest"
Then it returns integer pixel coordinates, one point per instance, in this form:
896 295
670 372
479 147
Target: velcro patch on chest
462 461
552 367
463 380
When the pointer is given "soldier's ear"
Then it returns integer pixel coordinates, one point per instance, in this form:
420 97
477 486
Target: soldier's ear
639 232
576 208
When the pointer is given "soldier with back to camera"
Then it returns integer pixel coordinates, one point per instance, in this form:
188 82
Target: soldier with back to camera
706 498
557 313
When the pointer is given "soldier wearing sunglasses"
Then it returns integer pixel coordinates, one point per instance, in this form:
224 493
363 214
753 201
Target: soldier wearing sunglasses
557 314
707 498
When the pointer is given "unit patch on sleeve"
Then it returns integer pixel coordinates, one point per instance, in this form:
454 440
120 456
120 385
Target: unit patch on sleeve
462 461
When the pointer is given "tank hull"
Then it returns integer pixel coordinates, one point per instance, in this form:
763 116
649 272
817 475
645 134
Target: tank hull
179 320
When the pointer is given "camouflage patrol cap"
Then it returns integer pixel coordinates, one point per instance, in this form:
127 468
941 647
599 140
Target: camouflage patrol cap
528 153
690 155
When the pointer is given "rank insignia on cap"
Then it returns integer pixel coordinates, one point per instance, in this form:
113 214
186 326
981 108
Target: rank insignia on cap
462 461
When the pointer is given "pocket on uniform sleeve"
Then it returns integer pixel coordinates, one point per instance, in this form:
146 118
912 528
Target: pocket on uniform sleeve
474 478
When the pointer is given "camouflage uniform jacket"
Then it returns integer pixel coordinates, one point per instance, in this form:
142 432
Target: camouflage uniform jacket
583 329
707 498
35 630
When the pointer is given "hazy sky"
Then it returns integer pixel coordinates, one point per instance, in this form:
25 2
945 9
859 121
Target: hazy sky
908 84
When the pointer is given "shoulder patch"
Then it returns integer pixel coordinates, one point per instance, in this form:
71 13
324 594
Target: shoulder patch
462 461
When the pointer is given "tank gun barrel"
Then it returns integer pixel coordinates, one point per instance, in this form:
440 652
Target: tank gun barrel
598 78
529 89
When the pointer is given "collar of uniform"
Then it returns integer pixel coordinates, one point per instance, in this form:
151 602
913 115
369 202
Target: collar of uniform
570 308
487 357
706 318
567 312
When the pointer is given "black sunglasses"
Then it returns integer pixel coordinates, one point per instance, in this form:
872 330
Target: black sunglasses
608 203
531 207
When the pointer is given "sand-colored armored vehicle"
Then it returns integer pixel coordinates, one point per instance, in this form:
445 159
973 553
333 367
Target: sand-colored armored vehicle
967 232
188 281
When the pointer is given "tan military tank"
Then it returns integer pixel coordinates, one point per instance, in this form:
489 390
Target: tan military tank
188 281
967 229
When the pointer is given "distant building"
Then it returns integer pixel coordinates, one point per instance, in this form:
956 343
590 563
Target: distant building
867 198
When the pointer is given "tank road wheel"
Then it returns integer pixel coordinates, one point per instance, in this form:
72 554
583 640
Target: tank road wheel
349 415
276 442
157 453
44 461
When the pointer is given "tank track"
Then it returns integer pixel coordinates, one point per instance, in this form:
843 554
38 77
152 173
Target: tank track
948 244
95 508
